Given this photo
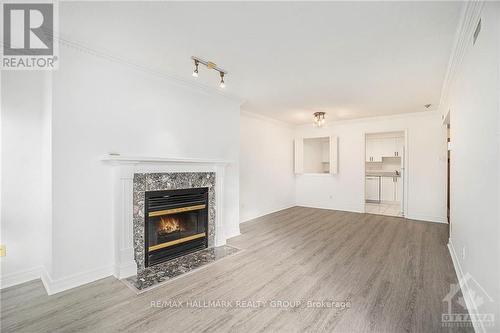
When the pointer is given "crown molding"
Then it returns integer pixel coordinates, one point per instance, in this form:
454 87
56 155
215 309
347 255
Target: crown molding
377 118
171 78
434 113
259 116
471 13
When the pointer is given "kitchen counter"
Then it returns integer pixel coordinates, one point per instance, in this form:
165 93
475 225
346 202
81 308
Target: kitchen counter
381 174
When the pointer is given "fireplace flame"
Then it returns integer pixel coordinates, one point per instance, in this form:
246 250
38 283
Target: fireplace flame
169 224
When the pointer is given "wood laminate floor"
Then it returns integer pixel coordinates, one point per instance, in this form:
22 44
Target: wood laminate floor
393 272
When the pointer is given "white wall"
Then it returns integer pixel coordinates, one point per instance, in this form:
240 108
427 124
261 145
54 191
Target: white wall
100 107
267 183
22 229
475 131
346 190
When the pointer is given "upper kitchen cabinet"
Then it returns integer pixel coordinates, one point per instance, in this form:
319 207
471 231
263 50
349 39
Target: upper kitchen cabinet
371 154
380 146
400 142
316 155
376 149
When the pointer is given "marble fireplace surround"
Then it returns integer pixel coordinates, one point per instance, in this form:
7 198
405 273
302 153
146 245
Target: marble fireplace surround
144 182
134 175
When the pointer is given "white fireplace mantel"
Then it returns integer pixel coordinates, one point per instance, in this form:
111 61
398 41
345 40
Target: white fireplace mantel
124 159
124 167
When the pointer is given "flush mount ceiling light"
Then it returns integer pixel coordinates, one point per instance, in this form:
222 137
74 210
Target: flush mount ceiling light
209 65
319 119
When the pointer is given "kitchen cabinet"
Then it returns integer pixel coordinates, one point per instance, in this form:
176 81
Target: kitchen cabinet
387 148
387 189
369 150
372 188
377 148
374 150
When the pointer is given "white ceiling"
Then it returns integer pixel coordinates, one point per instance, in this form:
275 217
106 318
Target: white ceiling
287 59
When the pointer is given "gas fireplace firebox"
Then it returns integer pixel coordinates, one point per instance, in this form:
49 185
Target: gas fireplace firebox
176 223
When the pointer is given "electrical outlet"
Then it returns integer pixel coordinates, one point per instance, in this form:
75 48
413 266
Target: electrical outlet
463 253
3 251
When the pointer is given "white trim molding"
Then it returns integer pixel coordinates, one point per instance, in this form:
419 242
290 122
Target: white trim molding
471 14
426 218
54 286
125 159
345 208
262 117
78 46
267 212
467 293
20 277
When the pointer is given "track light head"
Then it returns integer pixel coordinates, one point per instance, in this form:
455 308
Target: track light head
222 84
195 72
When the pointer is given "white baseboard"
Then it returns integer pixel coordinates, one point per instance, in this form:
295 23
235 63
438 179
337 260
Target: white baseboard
54 286
267 212
125 270
20 277
466 291
353 209
44 276
426 218
231 235
356 209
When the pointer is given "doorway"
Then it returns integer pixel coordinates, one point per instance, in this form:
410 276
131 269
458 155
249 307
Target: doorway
385 173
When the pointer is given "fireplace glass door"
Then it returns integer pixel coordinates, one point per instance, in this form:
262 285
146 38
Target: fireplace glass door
176 223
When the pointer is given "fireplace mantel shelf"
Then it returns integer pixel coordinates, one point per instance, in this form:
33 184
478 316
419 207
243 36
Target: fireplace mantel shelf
124 159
